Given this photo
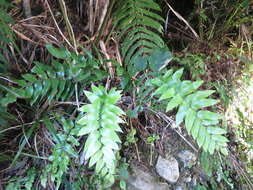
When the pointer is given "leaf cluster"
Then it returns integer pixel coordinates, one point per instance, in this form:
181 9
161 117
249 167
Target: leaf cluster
140 28
101 124
62 152
55 82
202 124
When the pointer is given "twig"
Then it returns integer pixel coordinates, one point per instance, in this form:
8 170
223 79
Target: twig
170 122
8 80
109 64
103 14
58 28
27 8
135 144
181 18
76 93
70 103
18 126
67 22
240 170
35 144
91 17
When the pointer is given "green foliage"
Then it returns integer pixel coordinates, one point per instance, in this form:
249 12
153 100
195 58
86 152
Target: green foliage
62 152
6 34
152 138
201 124
194 63
18 183
56 82
130 138
101 124
139 25
220 167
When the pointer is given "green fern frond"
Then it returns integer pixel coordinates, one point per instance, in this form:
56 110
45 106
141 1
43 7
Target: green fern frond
45 82
201 124
139 25
62 152
55 82
101 124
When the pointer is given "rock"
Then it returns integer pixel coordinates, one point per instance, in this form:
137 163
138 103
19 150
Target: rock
181 187
188 158
186 175
168 169
142 180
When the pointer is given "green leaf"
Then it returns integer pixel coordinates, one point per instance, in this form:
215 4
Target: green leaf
159 58
207 142
12 92
224 151
216 130
182 111
29 90
99 165
189 119
203 94
94 159
37 70
86 129
201 136
29 77
161 89
167 94
92 148
196 128
208 115
56 52
178 74
211 147
110 143
220 138
140 63
174 102
201 103
54 90
37 92
122 185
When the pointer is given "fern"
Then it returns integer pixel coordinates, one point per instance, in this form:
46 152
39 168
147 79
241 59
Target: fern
56 82
101 124
26 183
201 124
138 22
6 34
62 151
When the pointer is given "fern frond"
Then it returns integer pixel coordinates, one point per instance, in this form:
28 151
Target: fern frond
101 124
62 152
201 124
55 82
138 22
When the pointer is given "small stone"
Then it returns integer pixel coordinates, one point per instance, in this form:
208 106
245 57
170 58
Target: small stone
144 180
179 188
168 169
188 158
187 179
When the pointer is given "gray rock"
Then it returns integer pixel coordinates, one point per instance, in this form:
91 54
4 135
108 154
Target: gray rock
168 169
188 158
181 187
142 180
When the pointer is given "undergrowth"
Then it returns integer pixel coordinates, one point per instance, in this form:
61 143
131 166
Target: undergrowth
69 120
